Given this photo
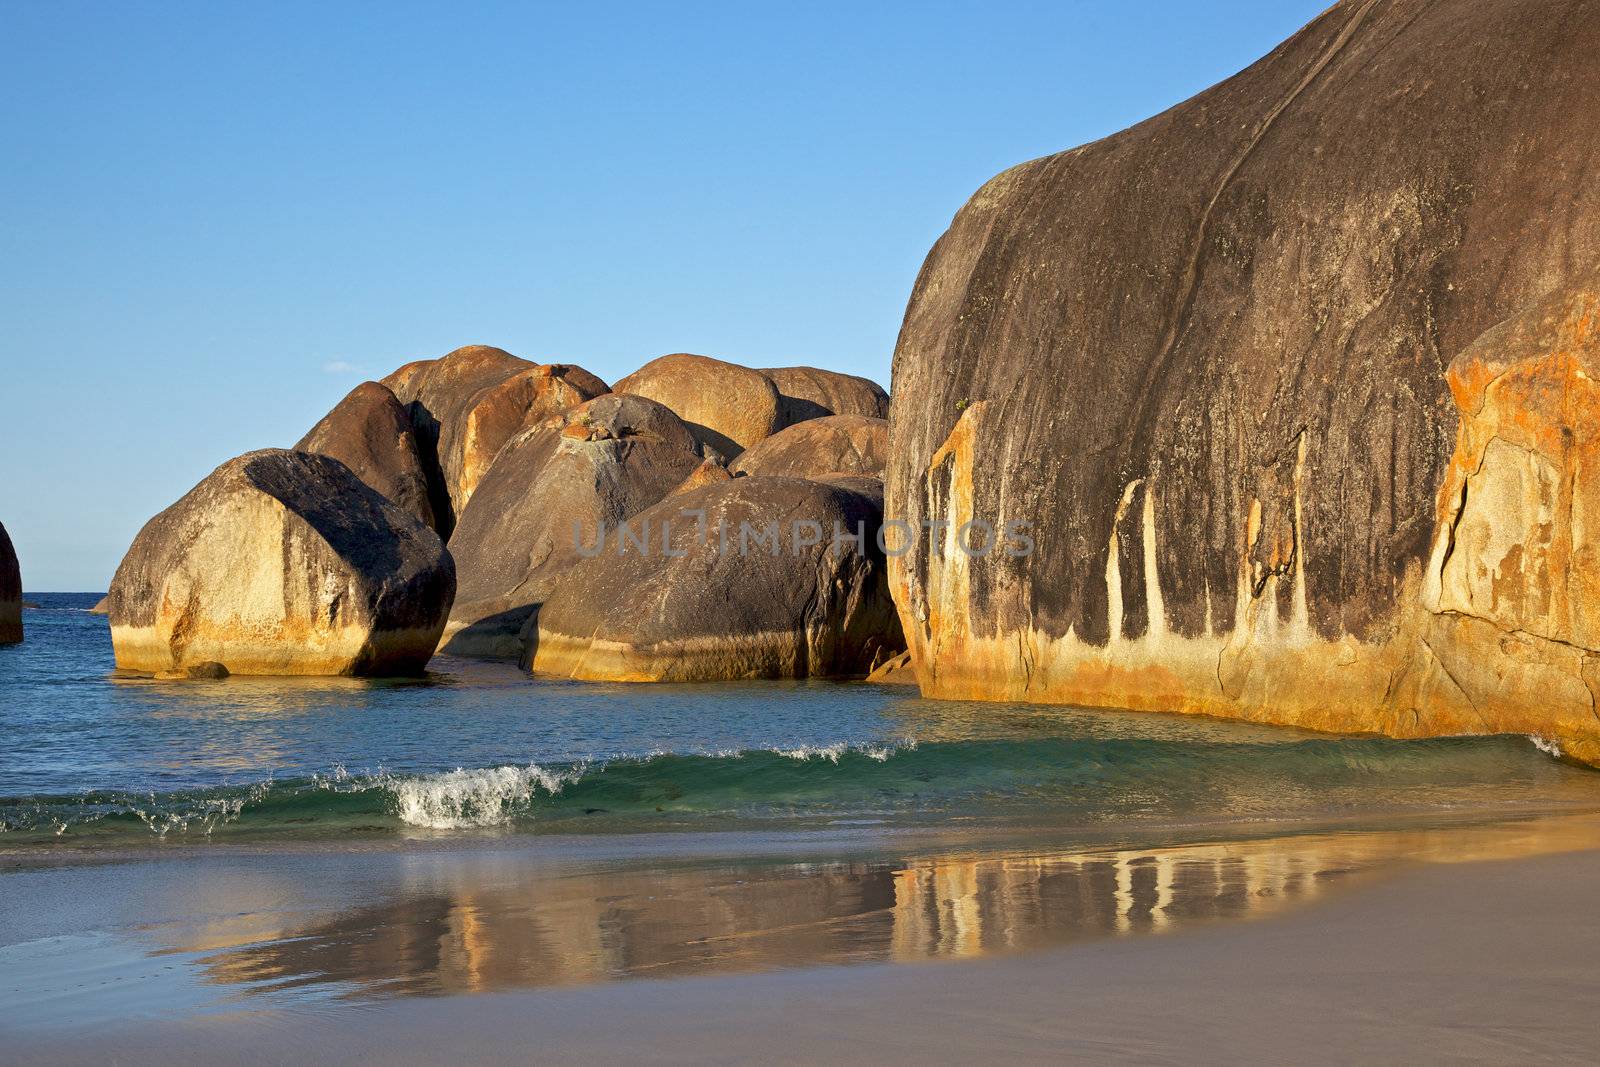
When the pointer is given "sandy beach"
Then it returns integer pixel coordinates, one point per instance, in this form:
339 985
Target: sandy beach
1409 955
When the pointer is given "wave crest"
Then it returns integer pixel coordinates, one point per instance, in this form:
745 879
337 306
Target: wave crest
462 799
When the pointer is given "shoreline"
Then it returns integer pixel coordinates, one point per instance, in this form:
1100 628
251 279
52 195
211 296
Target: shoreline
748 843
581 957
1482 959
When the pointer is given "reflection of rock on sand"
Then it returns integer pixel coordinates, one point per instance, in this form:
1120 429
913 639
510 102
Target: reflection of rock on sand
472 924
970 907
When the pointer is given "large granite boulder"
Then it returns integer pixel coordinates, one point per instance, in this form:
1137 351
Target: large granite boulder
438 394
370 432
282 563
831 445
10 592
748 578
810 393
501 412
554 489
728 407
1205 359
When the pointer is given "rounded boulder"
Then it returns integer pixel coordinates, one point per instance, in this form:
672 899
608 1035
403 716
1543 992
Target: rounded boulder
10 592
503 411
812 393
370 432
820 448
438 394
282 563
728 407
748 578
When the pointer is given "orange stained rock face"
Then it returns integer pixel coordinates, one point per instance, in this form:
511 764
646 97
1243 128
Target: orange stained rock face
578 431
1520 505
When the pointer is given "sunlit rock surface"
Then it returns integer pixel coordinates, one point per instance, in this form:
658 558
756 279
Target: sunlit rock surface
728 407
503 411
811 393
817 448
281 563
438 395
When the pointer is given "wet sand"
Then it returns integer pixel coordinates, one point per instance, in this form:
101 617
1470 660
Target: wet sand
1418 946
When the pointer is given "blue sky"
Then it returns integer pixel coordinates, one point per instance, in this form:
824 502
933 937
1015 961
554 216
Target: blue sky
219 217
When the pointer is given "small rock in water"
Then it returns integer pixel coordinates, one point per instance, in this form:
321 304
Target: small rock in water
207 671
10 592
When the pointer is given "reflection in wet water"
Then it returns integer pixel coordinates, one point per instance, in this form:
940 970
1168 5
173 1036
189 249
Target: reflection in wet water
486 923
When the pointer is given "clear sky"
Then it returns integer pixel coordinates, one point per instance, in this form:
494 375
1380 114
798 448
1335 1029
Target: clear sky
219 217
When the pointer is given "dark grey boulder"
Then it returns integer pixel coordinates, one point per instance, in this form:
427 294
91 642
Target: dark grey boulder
10 592
727 582
370 432
1206 358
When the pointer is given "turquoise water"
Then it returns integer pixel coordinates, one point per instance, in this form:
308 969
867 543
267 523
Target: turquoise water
482 749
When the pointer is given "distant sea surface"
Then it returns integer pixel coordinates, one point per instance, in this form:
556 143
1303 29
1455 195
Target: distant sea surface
88 759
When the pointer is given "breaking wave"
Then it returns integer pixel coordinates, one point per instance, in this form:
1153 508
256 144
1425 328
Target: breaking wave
458 799
1059 781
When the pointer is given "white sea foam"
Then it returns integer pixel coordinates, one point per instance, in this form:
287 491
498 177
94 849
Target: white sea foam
832 752
1545 745
461 799
203 815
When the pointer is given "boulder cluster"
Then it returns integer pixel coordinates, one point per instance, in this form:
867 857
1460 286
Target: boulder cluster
697 521
1293 383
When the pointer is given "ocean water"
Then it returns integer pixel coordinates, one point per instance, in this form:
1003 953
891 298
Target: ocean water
186 849
475 750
